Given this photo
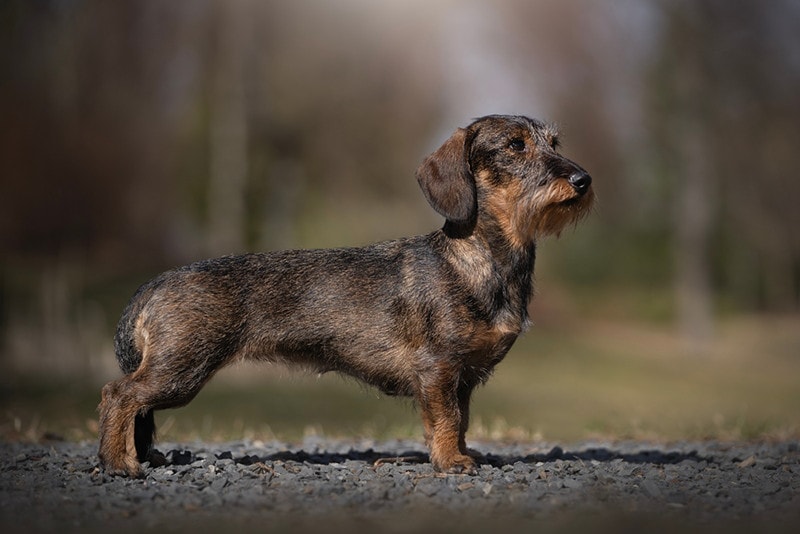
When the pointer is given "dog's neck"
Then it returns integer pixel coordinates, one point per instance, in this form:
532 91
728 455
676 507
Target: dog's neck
491 266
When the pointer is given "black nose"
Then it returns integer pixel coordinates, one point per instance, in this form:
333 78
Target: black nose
580 181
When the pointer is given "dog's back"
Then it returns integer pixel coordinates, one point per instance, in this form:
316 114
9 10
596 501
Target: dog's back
368 312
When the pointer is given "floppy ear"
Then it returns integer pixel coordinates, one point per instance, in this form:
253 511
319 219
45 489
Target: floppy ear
447 181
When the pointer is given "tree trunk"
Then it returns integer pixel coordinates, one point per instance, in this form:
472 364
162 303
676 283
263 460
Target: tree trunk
693 218
228 135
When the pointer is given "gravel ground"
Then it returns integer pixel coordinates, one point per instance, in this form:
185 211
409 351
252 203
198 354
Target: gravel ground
332 485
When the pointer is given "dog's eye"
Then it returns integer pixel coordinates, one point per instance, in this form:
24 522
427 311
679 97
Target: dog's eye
517 144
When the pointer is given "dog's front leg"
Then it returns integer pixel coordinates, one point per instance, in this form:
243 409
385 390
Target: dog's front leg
441 414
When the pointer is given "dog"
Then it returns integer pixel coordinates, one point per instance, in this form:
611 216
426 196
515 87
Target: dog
427 317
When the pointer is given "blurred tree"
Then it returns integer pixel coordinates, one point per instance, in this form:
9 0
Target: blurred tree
85 130
724 104
136 136
682 126
228 144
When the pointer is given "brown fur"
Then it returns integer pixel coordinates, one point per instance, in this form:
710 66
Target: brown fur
427 317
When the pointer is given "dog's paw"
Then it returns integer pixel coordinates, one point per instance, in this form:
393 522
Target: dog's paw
458 464
129 468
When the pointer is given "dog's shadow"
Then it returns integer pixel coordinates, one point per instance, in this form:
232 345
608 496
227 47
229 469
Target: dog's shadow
370 456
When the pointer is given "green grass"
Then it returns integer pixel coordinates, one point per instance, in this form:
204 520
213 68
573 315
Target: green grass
611 380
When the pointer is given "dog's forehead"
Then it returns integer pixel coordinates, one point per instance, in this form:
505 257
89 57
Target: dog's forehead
503 125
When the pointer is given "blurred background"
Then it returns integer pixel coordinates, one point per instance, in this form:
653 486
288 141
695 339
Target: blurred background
138 136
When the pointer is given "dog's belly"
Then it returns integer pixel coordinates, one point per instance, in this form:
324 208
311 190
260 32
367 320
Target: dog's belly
388 367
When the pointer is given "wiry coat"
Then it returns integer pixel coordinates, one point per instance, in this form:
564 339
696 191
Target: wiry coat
427 316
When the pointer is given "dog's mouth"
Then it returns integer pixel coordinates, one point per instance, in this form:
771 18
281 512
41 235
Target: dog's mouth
577 197
578 200
574 201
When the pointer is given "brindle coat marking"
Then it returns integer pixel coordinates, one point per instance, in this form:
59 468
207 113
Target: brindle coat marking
427 316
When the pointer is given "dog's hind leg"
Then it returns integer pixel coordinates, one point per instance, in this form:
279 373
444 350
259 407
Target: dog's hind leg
118 413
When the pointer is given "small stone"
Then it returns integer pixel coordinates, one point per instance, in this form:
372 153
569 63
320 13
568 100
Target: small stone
747 462
218 484
651 489
177 457
429 486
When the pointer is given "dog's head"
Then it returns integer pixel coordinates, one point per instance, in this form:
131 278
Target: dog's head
505 172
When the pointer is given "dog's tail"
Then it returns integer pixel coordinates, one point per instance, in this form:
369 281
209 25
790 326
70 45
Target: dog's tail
129 355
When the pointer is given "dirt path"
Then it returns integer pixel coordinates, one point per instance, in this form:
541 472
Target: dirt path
331 485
